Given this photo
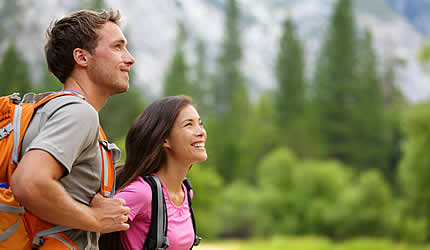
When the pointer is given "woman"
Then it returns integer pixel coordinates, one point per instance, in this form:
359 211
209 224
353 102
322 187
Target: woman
165 140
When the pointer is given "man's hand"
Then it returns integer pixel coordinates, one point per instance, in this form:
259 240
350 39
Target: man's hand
110 214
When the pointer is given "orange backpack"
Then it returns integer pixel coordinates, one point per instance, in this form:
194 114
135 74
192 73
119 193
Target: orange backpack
19 229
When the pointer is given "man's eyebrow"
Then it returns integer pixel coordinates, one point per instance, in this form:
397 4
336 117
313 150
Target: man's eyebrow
120 41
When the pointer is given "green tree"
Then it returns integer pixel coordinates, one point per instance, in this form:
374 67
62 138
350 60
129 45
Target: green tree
414 170
290 75
318 188
291 102
207 199
92 4
394 105
11 21
231 99
370 135
15 76
347 95
260 137
366 208
275 201
176 81
334 81
236 221
49 83
229 76
200 85
424 55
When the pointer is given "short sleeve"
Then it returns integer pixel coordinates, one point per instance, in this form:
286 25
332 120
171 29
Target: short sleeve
137 196
70 127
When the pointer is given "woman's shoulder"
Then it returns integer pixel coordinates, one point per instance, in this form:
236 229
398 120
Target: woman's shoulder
138 187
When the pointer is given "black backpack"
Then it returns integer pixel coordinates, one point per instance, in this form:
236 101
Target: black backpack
157 234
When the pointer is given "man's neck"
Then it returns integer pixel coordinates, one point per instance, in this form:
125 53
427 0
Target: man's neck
94 96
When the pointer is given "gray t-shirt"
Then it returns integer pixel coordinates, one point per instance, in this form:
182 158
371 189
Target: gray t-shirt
67 127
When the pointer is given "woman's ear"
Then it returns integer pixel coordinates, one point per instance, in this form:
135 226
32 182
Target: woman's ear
166 143
80 56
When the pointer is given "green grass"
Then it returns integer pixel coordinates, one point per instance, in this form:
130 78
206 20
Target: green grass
311 243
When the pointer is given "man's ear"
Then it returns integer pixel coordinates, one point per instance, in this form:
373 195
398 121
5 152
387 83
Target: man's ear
166 143
81 57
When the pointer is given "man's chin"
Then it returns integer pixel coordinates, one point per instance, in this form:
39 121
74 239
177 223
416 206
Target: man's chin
122 89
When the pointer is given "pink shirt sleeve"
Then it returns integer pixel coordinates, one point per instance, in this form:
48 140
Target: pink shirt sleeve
137 196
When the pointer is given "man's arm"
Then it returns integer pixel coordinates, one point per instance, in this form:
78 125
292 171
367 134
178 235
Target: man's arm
35 185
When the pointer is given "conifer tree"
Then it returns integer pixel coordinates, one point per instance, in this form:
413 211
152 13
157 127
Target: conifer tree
261 136
231 99
394 105
92 4
290 76
49 83
15 76
229 76
335 85
369 130
11 20
176 81
291 104
348 95
200 85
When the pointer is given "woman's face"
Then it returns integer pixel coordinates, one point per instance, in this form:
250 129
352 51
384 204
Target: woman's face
186 141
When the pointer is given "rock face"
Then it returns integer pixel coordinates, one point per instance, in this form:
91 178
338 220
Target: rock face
397 27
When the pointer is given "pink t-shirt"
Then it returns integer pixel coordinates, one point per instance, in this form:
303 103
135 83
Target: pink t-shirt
138 197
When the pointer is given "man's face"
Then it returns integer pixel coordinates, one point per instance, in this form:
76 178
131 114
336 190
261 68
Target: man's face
109 63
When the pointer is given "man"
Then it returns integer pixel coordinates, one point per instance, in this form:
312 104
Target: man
58 177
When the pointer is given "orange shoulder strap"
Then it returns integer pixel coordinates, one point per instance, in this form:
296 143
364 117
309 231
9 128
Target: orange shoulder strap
107 186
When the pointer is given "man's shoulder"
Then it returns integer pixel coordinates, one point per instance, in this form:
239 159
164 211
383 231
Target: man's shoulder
72 107
72 102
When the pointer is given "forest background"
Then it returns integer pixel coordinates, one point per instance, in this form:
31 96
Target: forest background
341 155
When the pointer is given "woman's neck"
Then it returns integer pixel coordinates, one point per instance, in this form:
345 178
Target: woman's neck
172 175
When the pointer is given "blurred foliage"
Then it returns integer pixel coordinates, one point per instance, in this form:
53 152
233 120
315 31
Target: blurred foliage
207 189
346 158
424 55
15 76
317 243
414 171
176 81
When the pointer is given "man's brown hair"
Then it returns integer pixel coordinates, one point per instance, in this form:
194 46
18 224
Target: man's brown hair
77 30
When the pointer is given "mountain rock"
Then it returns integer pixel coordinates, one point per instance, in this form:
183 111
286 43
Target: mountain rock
151 28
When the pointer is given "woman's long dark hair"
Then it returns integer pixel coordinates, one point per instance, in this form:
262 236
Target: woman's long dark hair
144 148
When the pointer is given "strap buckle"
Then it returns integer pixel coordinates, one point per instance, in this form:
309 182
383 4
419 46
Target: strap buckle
16 99
38 242
5 131
197 240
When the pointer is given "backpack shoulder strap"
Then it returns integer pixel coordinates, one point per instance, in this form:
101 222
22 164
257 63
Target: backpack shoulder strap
189 187
110 154
157 234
